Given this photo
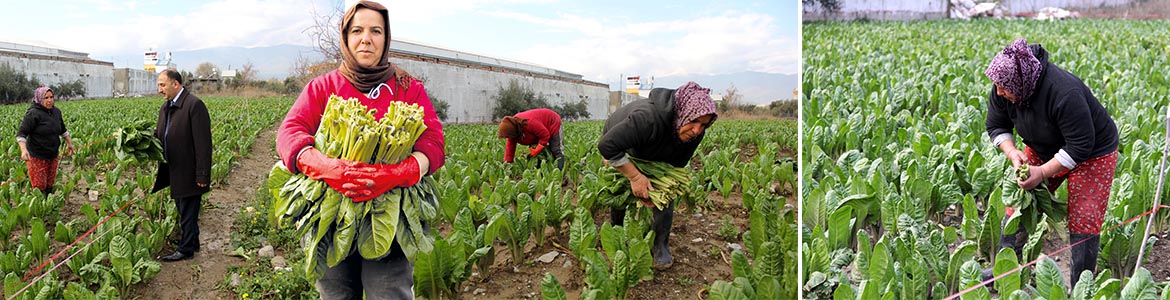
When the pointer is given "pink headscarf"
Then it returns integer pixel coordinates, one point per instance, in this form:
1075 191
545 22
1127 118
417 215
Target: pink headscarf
692 101
1016 69
39 95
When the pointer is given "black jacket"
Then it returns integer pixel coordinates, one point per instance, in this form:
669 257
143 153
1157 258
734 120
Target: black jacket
187 146
42 129
645 129
1062 113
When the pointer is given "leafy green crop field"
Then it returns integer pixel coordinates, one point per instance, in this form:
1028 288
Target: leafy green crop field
493 218
901 188
121 250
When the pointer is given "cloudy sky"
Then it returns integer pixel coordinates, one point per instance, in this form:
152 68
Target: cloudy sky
601 40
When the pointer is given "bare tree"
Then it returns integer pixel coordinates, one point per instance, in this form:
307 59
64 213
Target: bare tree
247 72
205 70
731 99
326 30
304 69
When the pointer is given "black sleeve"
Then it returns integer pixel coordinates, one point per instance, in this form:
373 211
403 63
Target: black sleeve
201 136
997 121
61 117
631 132
26 125
1075 121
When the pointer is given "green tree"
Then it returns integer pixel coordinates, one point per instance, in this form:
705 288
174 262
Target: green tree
15 86
514 99
573 111
69 90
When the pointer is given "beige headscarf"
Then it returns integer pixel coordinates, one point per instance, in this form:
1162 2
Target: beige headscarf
363 78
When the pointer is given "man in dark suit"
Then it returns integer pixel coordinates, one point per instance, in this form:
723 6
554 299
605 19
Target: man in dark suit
184 128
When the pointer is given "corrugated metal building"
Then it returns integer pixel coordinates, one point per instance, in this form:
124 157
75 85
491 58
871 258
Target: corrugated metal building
53 66
469 81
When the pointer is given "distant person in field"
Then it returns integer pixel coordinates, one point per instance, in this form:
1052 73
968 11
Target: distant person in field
1067 135
366 74
538 128
184 128
667 127
39 136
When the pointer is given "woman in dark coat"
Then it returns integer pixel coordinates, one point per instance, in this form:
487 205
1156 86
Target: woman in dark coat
667 127
40 137
1067 135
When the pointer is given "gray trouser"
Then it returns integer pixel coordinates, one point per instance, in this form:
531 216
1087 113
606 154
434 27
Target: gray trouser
391 277
556 144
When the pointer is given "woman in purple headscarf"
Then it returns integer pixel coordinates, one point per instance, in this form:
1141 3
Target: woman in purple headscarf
40 137
667 127
1067 135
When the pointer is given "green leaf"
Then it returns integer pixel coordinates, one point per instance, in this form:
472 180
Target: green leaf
612 239
120 259
843 292
430 272
1049 280
972 275
1108 287
1140 287
840 227
869 290
550 288
1085 288
963 253
583 232
880 264
377 236
76 291
722 290
1005 262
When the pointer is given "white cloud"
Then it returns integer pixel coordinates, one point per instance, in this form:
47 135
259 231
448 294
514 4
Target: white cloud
431 10
730 42
222 23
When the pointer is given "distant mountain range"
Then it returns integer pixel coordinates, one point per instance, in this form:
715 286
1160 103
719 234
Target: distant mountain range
756 87
272 62
276 62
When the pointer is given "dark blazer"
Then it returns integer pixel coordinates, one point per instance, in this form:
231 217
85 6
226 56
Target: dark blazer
186 147
645 129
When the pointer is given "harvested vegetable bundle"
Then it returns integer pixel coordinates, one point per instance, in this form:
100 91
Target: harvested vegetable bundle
332 225
1029 204
137 142
669 183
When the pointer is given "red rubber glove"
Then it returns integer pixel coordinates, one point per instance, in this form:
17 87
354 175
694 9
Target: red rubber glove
346 177
534 151
390 176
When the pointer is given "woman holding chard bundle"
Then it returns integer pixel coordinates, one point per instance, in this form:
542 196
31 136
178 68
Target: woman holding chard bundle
665 128
1067 134
366 75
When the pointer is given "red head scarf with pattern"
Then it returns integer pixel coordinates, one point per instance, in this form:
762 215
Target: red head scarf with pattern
692 101
1015 69
39 95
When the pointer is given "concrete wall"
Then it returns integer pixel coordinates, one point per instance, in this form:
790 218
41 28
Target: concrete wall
469 87
98 76
134 82
880 10
934 9
618 99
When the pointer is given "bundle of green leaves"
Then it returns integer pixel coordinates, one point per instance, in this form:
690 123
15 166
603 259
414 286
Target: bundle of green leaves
669 184
1029 204
333 226
137 143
